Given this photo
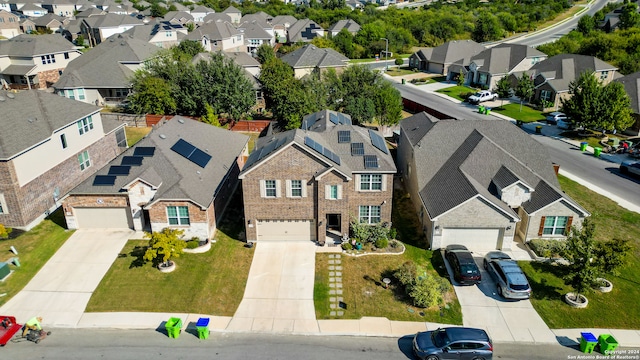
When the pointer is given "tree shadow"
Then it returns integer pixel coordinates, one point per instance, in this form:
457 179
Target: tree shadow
437 261
138 254
541 289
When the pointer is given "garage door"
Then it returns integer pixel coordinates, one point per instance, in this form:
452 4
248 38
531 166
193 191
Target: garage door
473 238
111 218
286 230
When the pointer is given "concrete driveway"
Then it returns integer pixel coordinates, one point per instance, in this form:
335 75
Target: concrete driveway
60 291
278 297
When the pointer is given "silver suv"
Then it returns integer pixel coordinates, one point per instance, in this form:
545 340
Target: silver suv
511 281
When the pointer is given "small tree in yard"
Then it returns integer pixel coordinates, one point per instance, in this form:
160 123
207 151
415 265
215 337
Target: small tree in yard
4 231
164 246
460 79
612 255
503 89
580 252
525 88
426 292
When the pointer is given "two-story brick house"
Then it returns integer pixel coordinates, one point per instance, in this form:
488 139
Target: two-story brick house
303 183
48 145
181 175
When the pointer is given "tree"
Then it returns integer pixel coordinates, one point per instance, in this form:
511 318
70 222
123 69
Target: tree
525 88
629 17
80 40
388 103
460 79
487 28
164 246
615 107
210 117
188 48
5 231
343 42
265 53
580 253
612 255
503 88
151 95
586 24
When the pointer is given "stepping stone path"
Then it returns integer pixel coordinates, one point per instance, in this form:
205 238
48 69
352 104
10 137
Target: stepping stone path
335 285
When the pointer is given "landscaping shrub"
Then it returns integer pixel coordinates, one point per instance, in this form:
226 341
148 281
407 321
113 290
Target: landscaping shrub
5 231
407 273
427 292
547 248
192 244
347 246
382 243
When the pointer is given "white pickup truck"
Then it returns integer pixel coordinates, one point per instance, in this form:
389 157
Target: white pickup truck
484 95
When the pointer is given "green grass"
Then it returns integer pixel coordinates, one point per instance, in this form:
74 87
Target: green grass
396 71
593 140
617 309
364 292
209 283
526 114
253 137
135 134
35 248
458 92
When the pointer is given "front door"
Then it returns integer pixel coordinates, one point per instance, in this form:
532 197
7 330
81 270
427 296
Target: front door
334 222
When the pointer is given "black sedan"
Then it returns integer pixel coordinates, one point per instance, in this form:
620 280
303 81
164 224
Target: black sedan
458 343
465 270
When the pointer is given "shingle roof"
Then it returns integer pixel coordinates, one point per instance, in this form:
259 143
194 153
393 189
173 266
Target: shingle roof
348 24
284 20
35 45
303 30
261 18
31 116
216 17
503 58
178 177
102 67
459 51
254 30
631 84
214 30
231 10
312 56
112 20
561 69
46 20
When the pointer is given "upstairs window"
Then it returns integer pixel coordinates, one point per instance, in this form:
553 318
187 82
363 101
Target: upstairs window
83 159
371 182
85 125
48 59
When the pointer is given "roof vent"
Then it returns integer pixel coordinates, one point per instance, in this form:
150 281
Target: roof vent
32 119
163 136
11 96
181 121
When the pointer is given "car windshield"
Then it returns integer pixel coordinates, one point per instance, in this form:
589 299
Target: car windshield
477 94
439 338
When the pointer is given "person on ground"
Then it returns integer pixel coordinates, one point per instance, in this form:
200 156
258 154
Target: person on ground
32 324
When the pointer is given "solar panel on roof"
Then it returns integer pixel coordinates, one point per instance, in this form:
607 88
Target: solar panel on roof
200 158
104 180
378 141
131 160
344 136
192 153
342 119
370 162
321 150
183 148
334 118
357 149
144 151
119 170
272 145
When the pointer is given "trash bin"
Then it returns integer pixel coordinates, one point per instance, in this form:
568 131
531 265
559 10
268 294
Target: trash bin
481 109
583 146
404 81
607 343
358 246
538 129
203 328
588 342
597 151
173 327
614 141
487 110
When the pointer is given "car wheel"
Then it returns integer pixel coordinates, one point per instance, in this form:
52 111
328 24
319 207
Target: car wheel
432 357
478 358
485 265
624 170
500 291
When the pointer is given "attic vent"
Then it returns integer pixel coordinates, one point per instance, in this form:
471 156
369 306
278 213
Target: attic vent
163 136
181 121
32 119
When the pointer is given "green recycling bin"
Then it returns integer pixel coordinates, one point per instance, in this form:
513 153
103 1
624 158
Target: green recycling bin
607 344
481 109
173 327
203 328
583 146
487 110
597 151
404 81
588 342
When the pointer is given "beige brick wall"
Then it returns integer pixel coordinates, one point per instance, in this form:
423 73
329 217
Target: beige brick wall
48 78
559 208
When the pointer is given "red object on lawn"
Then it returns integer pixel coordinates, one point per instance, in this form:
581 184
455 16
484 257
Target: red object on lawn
8 328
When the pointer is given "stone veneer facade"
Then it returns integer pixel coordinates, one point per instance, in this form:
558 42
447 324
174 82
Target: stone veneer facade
48 78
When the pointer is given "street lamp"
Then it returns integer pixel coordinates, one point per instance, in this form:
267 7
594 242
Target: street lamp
386 53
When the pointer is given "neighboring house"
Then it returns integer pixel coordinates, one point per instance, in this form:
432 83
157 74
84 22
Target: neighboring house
102 76
179 17
9 24
354 4
319 178
27 25
51 22
34 61
200 12
91 11
552 76
162 34
97 28
351 26
260 16
490 65
180 176
234 14
255 35
438 59
32 10
216 17
310 59
281 25
484 184
64 8
48 145
304 30
631 85
218 35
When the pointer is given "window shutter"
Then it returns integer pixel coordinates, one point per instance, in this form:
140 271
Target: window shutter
327 191
357 182
567 230
339 191
384 182
541 226
278 191
304 188
263 189
288 187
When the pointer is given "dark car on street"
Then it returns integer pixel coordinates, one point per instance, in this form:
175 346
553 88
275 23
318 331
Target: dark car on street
465 270
453 343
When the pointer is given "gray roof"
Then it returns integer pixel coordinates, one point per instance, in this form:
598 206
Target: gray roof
102 67
261 18
562 69
350 25
25 45
147 31
241 58
181 16
92 11
176 176
231 10
631 84
216 17
112 20
503 58
46 20
303 30
214 30
312 56
325 133
457 160
284 20
254 30
459 51
31 116
202 9
31 7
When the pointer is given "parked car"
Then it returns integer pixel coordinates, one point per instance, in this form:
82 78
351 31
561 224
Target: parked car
630 167
494 255
465 270
564 124
509 278
453 343
555 116
480 96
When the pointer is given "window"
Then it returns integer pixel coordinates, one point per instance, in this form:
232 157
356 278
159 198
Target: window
604 75
63 140
555 225
66 56
48 59
333 192
1 20
545 95
81 94
270 188
3 205
370 214
296 188
85 125
371 182
178 215
83 159
71 95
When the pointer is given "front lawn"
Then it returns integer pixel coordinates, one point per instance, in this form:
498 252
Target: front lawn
35 247
458 92
399 71
617 309
526 114
364 293
209 283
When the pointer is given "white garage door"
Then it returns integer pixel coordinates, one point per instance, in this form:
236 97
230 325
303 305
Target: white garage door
473 238
111 218
286 230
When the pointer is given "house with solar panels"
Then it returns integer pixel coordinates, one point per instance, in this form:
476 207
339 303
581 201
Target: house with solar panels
181 176
309 183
